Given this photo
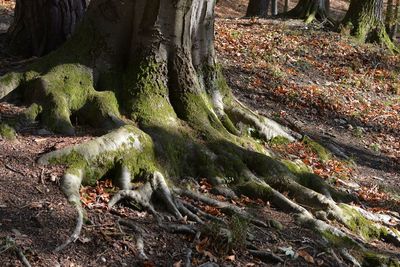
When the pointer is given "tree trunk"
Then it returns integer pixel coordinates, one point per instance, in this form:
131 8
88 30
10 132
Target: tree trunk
364 21
286 6
308 10
257 8
274 7
40 26
392 14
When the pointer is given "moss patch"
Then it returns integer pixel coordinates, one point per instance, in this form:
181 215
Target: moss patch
322 153
7 132
357 223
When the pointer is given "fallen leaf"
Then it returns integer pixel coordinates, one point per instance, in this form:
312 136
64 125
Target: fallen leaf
230 258
178 264
307 257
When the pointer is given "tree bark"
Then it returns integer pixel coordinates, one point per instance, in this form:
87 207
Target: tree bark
308 10
391 20
40 26
274 7
258 8
286 6
364 20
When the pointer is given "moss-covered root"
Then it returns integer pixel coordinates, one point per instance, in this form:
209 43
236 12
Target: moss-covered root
266 128
155 184
98 156
9 83
263 191
90 161
368 225
67 90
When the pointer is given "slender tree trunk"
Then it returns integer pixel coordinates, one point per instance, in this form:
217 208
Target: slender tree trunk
286 6
392 14
364 20
40 26
274 7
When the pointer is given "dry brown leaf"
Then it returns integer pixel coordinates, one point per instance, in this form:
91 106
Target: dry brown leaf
230 258
307 257
178 264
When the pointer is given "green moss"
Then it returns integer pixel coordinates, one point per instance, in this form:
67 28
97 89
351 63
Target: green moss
255 190
322 153
377 260
279 140
296 167
31 113
147 93
357 223
7 132
338 241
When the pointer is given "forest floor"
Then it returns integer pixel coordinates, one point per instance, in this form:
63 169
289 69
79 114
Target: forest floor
318 83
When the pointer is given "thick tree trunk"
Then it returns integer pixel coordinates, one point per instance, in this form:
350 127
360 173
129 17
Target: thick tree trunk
258 8
308 10
40 26
364 20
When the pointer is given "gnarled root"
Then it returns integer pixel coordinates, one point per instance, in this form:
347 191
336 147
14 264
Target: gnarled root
155 184
266 128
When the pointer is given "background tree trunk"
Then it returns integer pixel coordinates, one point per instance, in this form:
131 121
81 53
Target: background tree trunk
257 8
391 20
310 10
286 6
274 7
40 26
364 21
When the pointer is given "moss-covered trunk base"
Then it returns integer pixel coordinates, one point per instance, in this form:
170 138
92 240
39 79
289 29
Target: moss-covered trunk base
309 10
364 21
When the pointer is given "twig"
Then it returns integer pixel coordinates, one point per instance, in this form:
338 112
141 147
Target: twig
11 244
188 258
266 256
14 170
22 257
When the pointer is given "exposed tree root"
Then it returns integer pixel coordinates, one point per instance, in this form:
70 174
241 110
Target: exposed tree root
114 149
138 235
266 128
155 184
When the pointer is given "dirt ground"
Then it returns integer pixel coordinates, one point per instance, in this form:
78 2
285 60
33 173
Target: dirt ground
35 216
